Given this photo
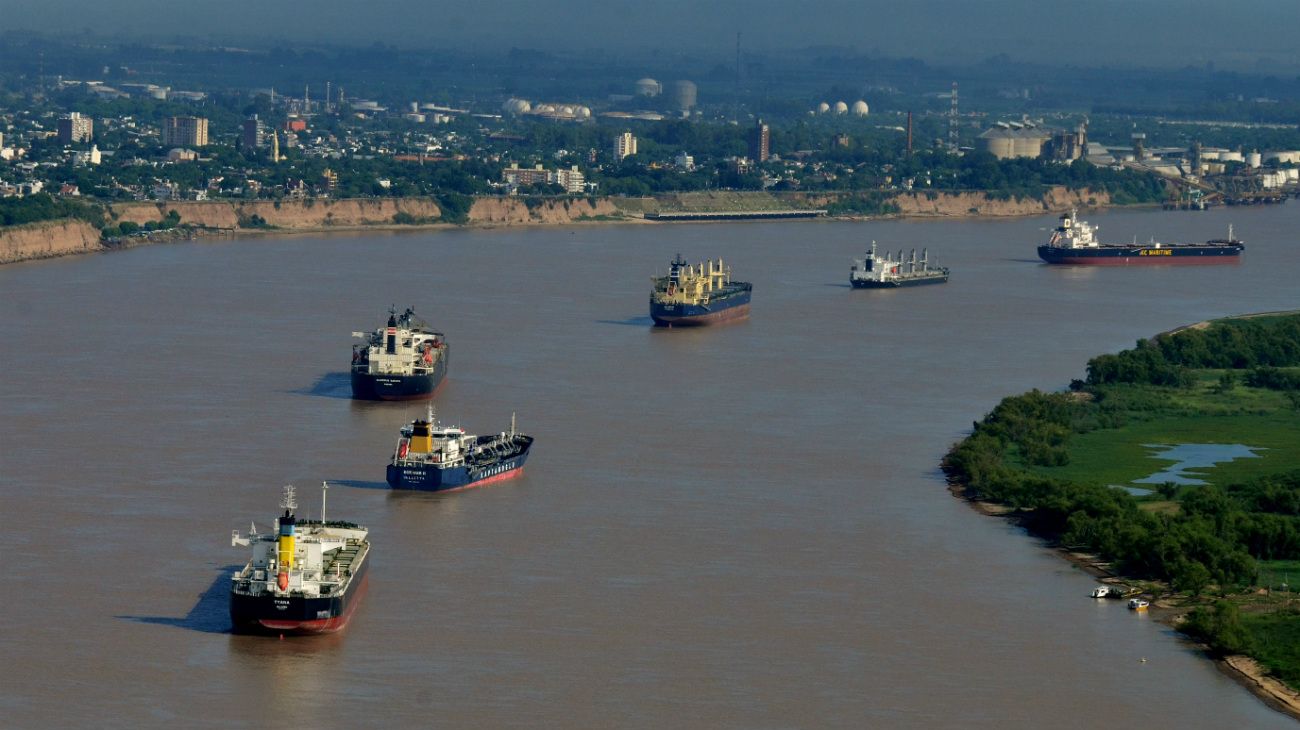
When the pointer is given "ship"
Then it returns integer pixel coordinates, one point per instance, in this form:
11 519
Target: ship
405 360
698 295
1075 242
434 458
305 577
887 272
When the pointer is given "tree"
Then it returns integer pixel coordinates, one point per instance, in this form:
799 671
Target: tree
1220 628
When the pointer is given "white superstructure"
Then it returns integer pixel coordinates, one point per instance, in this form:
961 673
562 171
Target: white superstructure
1074 233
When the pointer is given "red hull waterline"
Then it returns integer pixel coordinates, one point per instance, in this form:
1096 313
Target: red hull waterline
490 480
1148 261
726 315
320 626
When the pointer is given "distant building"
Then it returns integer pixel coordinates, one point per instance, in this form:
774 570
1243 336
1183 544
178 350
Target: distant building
572 179
295 124
180 154
760 142
185 132
87 157
252 134
685 161
624 145
329 181
75 128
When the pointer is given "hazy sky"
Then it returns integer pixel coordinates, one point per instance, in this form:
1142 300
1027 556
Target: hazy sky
1093 32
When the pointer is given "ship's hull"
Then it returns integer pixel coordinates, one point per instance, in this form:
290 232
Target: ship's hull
368 386
427 478
898 283
1142 255
695 315
268 613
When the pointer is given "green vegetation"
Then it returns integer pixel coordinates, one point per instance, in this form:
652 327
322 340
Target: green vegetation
1053 459
1274 640
44 207
127 228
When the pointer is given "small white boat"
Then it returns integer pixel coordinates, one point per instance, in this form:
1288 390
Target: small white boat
1138 604
1106 592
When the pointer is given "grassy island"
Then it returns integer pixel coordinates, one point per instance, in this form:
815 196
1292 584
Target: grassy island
1176 467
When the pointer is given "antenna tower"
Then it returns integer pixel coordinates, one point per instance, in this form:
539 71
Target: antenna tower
952 120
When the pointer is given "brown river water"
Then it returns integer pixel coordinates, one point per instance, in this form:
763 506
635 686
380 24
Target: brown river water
742 526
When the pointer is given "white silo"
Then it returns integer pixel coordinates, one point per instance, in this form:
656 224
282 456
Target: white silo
648 87
582 112
860 108
684 95
841 108
823 107
1254 159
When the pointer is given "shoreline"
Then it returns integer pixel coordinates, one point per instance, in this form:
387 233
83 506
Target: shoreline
1245 671
231 218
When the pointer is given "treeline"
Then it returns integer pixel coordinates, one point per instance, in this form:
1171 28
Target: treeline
1265 342
45 207
1214 537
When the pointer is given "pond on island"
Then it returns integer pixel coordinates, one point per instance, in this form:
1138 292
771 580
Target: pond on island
1189 457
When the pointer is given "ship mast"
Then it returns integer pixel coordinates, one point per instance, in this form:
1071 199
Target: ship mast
324 487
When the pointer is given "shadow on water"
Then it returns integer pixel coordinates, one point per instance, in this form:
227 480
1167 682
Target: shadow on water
358 484
838 286
210 615
330 385
630 321
1026 261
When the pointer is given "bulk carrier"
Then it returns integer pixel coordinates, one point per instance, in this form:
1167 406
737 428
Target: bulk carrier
886 272
1075 242
305 577
698 295
403 361
432 457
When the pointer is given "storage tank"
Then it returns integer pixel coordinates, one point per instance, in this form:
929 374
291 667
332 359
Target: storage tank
1028 143
860 108
998 142
823 107
841 108
516 106
684 95
648 87
1254 159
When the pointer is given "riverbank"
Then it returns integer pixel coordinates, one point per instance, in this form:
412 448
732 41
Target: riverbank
1085 471
265 217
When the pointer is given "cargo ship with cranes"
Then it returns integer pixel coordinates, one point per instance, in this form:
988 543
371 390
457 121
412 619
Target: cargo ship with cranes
690 296
876 271
405 360
305 576
1075 242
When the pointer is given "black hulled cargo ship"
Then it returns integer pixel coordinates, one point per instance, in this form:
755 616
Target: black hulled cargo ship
875 271
1075 242
698 295
434 458
405 360
305 577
